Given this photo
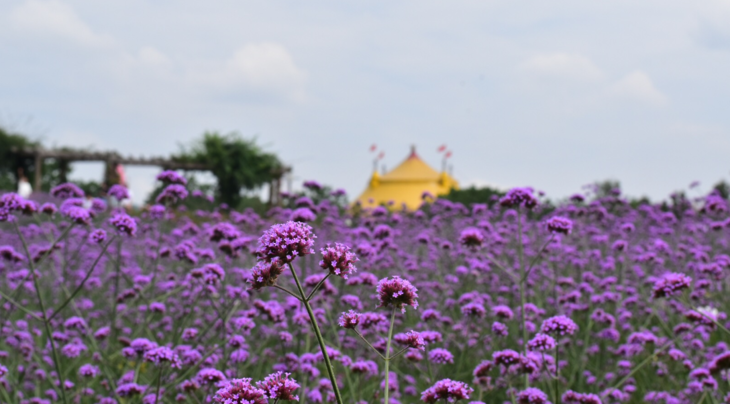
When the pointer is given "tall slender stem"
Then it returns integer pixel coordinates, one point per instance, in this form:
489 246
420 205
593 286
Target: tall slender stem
159 379
116 290
388 357
56 360
318 333
557 373
83 282
520 255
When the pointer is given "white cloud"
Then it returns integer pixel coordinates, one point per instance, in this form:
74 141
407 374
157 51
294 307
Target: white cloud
149 56
563 65
265 66
638 86
53 18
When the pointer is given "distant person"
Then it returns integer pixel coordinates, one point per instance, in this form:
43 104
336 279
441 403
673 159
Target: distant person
121 175
127 202
119 170
88 202
24 187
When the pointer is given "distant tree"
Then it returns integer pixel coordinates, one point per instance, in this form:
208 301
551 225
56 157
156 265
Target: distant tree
11 163
473 194
722 188
239 164
606 189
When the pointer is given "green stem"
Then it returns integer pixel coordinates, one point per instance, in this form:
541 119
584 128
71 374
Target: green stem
56 360
83 282
20 306
159 380
285 290
368 343
63 235
316 288
388 357
557 373
318 333
116 292
523 279
534 260
642 364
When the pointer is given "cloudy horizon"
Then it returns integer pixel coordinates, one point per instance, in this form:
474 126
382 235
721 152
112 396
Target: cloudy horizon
553 96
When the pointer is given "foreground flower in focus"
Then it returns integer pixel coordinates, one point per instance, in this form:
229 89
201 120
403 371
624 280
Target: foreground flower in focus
397 292
278 386
349 320
265 273
338 259
411 339
240 391
286 242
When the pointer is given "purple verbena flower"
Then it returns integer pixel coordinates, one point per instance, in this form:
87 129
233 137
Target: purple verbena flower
278 386
447 390
670 284
338 259
559 325
240 391
67 190
286 242
559 224
397 292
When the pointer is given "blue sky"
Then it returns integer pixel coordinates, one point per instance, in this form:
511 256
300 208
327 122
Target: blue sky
553 95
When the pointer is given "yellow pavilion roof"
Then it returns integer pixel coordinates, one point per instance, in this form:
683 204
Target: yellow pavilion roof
406 184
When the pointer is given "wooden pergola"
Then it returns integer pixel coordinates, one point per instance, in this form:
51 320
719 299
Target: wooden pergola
110 158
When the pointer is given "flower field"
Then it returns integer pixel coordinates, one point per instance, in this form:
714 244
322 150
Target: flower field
592 301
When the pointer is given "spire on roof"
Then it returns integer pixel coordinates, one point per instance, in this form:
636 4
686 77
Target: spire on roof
413 154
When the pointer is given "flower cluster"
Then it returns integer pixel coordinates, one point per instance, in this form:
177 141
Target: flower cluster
265 273
471 238
338 259
124 224
559 325
517 197
397 292
279 386
286 241
447 390
558 224
670 284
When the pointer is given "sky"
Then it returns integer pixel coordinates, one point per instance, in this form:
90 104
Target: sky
553 95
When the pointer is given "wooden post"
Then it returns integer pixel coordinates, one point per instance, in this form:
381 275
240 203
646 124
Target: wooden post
38 172
62 168
271 193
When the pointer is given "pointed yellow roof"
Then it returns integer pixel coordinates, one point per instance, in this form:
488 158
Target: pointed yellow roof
406 184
